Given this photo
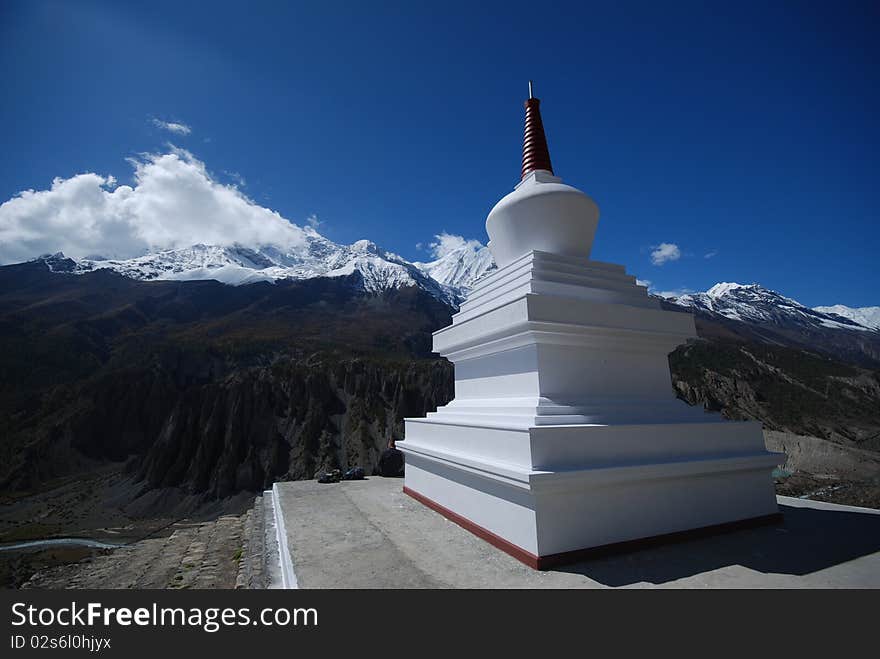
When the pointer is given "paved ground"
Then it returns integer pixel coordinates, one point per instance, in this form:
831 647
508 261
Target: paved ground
368 534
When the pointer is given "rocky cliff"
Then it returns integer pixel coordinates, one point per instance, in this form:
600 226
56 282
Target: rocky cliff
787 389
290 419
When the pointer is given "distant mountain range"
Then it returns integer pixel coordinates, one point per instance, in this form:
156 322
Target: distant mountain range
750 312
448 278
752 303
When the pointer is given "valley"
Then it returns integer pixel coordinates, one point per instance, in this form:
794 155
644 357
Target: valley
132 410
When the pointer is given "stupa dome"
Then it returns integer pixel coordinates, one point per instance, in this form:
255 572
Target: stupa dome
542 213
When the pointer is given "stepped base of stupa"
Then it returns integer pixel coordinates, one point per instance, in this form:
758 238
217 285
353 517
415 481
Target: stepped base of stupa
615 484
565 434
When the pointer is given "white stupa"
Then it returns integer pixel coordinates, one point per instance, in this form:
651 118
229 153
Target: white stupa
565 434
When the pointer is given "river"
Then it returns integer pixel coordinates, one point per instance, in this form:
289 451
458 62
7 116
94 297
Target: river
60 542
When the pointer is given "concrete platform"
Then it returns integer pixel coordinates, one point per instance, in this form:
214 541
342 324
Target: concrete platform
369 534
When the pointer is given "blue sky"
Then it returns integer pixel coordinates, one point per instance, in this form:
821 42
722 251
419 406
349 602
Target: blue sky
745 134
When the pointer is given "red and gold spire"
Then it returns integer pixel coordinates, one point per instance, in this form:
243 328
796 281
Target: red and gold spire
536 155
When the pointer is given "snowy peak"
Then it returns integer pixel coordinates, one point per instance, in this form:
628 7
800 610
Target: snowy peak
57 262
752 303
229 265
865 316
366 247
723 288
449 278
460 268
375 269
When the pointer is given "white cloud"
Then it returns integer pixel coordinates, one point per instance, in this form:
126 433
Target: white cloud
665 252
445 243
235 176
174 203
709 255
176 127
313 221
644 282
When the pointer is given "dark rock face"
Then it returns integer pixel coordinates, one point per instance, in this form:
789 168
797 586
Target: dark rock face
787 389
242 430
290 420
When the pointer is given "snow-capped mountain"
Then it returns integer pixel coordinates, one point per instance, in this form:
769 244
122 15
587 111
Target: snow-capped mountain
449 278
866 316
378 270
460 268
752 303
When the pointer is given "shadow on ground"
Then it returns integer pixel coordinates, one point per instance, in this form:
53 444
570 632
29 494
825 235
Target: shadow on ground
806 541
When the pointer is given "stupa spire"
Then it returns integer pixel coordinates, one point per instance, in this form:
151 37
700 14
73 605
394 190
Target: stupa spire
536 155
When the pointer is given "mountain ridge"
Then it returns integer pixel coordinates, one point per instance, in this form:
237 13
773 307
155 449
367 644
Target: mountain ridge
757 304
450 277
239 265
866 316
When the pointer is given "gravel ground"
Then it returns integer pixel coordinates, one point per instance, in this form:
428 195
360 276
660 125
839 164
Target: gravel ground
194 555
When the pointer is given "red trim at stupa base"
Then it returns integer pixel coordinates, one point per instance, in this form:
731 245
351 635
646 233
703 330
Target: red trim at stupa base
518 553
564 558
